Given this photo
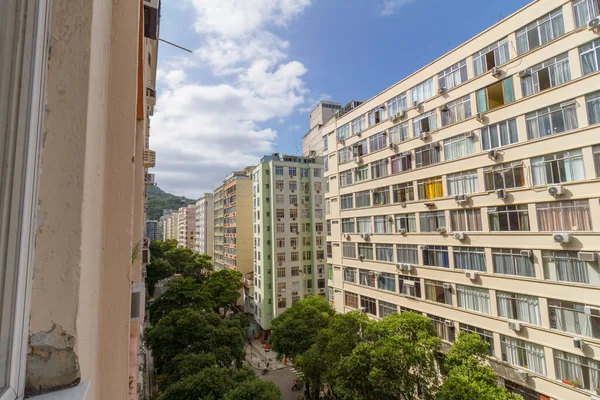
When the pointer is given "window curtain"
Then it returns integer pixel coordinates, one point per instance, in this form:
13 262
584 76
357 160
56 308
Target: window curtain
588 62
564 217
535 358
470 260
593 108
473 299
528 84
528 309
560 73
571 270
573 321
384 253
386 282
570 118
505 308
364 225
568 366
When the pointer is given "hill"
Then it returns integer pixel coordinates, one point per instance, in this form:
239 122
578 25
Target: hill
158 200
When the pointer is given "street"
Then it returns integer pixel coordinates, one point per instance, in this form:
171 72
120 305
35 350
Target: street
284 378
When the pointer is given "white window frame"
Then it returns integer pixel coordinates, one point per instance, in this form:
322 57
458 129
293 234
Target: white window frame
465 182
591 10
453 76
397 104
535 26
569 160
592 48
501 52
398 133
492 136
359 124
459 146
457 110
531 84
423 91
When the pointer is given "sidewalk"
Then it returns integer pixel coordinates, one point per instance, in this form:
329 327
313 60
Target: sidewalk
257 357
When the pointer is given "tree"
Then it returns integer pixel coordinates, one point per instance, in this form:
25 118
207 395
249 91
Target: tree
468 374
185 365
198 267
158 248
179 257
395 360
156 271
210 383
191 331
254 390
181 293
223 288
296 329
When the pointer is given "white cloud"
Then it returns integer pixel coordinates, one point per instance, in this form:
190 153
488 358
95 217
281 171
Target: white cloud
203 131
389 7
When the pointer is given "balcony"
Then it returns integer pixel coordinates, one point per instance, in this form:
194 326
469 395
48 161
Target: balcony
149 158
149 179
150 96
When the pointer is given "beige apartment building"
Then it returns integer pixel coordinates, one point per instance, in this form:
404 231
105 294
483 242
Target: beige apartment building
186 233
469 192
74 126
218 245
205 224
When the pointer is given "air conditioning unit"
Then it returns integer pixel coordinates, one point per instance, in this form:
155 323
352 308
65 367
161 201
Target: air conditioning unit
578 343
361 257
479 117
295 204
459 235
556 190
444 108
526 253
392 146
587 256
430 206
469 134
501 194
357 160
472 275
390 218
524 74
398 266
407 267
562 237
423 136
461 198
347 237
402 230
447 286
493 154
449 323
441 229
523 374
441 90
392 118
514 325
401 114
496 72
138 301
594 23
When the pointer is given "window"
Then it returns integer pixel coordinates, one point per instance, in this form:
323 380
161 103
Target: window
281 302
593 108
462 183
453 75
386 281
377 141
361 173
318 200
524 354
279 184
498 135
431 221
469 258
407 253
280 242
366 277
292 170
509 218
349 274
406 223
539 32
344 155
304 174
376 116
293 185
351 300
280 213
381 196
296 271
565 266
568 215
590 57
466 220
427 155
504 176
459 146
473 298
403 192
280 228
519 306
551 120
295 256
365 250
495 95
294 212
424 123
386 308
456 111
348 225
397 104
485 335
348 250
430 188
279 170
492 56
571 317
422 91
362 199
409 286
318 227
325 142
384 252
435 291
443 331
580 371
584 10
317 173
596 152
512 262
401 162
280 257
550 73
383 224
281 287
436 256
566 166
368 305
379 169
398 133
360 148
281 272
293 228
364 225
345 178
359 124
343 132
346 201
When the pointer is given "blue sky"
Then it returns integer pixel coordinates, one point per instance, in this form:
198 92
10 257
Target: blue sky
259 66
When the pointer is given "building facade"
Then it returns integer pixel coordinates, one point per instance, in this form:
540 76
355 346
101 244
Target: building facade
469 191
205 224
186 235
289 235
218 248
152 230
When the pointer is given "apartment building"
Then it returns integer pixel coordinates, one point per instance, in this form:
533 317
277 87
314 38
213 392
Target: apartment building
186 236
152 230
73 141
205 224
469 191
289 235
218 248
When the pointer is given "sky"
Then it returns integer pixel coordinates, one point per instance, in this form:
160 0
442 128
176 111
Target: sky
258 68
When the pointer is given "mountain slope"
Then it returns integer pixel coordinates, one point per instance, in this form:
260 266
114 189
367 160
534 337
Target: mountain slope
159 200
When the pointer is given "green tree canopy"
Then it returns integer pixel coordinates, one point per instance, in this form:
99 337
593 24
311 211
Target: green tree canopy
182 293
209 384
179 257
254 390
223 288
184 365
198 267
159 248
157 270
